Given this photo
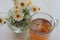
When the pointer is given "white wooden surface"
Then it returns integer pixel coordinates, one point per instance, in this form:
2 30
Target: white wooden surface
50 6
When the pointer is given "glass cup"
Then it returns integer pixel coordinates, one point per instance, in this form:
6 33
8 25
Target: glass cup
21 26
34 35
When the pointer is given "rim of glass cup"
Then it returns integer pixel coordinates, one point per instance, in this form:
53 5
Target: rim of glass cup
51 28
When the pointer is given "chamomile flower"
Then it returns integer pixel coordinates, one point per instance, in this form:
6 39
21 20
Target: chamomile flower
29 3
15 1
18 16
16 9
23 4
35 9
1 20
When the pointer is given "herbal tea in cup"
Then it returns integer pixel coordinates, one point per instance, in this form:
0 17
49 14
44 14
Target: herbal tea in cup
41 26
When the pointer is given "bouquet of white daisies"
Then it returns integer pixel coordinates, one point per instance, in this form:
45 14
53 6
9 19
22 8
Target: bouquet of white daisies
20 15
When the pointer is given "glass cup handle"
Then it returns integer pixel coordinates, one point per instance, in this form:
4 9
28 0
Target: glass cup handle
56 22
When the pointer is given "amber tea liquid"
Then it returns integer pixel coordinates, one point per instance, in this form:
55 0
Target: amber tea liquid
40 29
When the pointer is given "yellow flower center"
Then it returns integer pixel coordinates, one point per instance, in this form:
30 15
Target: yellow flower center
22 4
18 16
15 0
0 20
16 7
34 9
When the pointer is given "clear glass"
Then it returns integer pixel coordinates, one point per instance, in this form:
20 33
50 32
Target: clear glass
16 29
42 36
